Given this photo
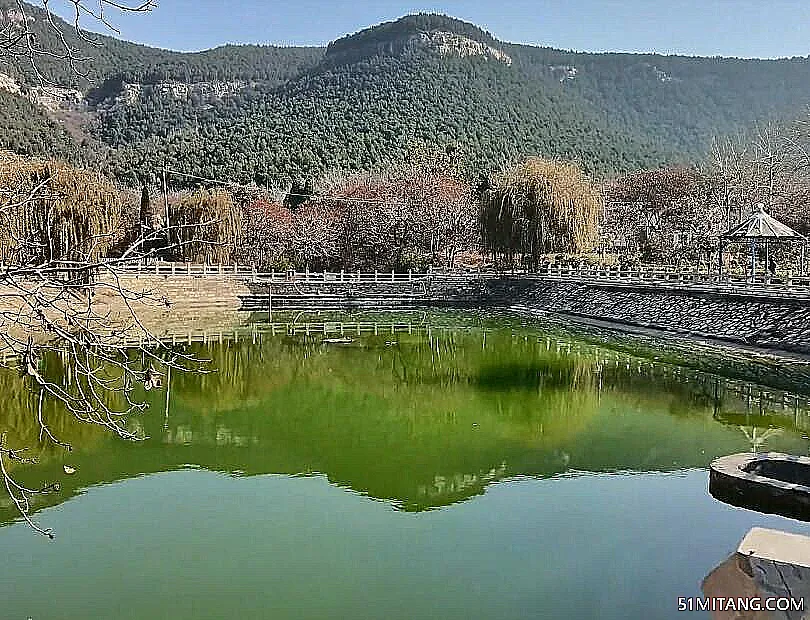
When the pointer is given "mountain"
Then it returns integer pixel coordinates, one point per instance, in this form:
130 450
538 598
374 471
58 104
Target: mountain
250 113
108 57
369 98
679 101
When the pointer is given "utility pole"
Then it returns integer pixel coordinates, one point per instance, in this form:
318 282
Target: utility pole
166 204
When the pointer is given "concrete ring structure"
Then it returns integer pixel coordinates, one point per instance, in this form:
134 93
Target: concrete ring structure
767 482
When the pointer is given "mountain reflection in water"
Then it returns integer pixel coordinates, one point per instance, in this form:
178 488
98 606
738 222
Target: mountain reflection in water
422 418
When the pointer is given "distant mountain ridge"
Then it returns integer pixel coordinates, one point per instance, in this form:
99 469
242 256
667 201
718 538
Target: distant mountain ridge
113 58
411 33
251 112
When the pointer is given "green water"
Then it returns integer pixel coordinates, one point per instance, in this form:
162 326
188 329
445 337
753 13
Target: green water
449 469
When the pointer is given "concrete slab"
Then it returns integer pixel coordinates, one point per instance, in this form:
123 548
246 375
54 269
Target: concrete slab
768 564
776 546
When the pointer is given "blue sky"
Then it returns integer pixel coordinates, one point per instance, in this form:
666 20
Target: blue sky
747 28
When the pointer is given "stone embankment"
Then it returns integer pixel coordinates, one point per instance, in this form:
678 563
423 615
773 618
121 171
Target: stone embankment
778 322
180 302
758 319
169 304
723 320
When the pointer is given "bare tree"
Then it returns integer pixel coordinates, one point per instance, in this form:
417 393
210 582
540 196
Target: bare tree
65 299
729 167
444 213
653 208
267 232
407 217
770 166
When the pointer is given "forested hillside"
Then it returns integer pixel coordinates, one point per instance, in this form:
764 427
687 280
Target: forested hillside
111 58
361 115
251 113
25 128
682 102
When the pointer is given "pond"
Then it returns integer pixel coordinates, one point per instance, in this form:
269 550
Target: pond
411 466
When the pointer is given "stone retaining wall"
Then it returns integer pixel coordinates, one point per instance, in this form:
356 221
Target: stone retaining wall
762 321
314 294
192 292
193 302
775 323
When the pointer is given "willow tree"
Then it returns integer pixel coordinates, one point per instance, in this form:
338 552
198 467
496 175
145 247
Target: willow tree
55 212
206 226
538 207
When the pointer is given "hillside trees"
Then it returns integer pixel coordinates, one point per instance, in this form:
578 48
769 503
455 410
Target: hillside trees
257 111
37 41
25 129
363 116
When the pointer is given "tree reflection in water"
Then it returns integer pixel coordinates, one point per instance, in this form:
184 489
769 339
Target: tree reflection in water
422 419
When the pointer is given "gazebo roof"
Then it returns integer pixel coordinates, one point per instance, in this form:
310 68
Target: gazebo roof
760 225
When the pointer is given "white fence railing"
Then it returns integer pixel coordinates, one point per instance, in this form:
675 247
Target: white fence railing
783 284
771 284
192 269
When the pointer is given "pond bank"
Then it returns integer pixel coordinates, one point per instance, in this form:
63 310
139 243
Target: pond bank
773 323
751 324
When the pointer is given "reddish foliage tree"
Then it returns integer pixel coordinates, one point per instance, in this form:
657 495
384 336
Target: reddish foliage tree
315 236
402 220
266 234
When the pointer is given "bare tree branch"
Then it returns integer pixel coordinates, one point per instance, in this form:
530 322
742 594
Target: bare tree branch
70 324
32 32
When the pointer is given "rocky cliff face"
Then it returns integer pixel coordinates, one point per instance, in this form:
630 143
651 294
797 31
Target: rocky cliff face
449 44
13 17
444 44
10 84
205 91
55 98
51 98
405 44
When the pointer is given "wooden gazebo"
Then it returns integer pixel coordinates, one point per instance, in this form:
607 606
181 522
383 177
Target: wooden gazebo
760 228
